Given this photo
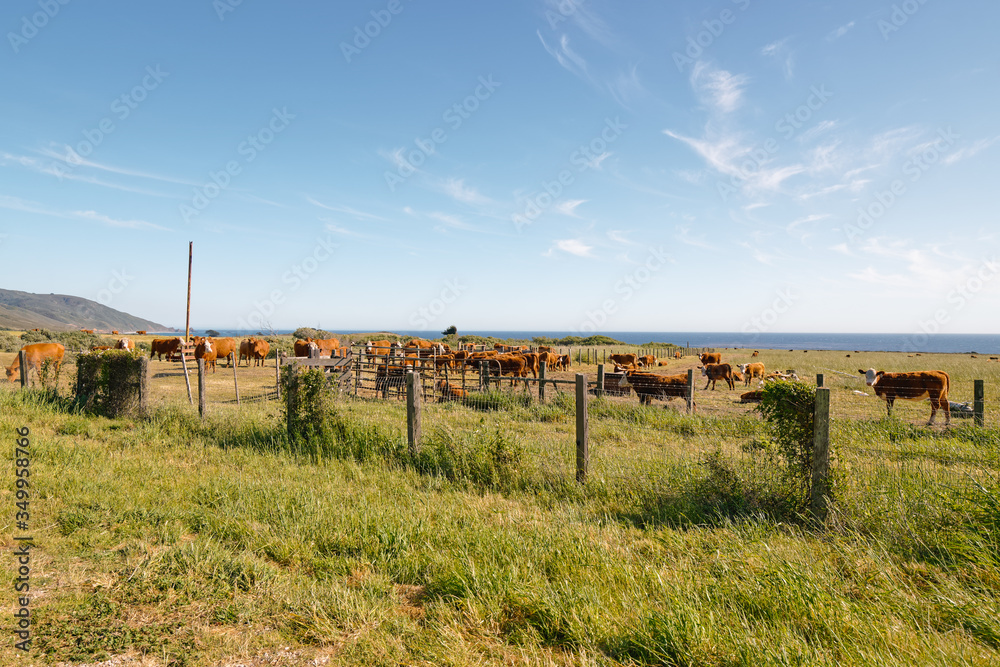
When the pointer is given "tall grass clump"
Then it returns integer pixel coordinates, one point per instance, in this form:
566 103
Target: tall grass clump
487 457
788 409
308 403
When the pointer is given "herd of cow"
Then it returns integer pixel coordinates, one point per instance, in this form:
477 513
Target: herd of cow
514 361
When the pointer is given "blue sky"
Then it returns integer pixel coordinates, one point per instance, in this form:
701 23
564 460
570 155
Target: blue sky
538 165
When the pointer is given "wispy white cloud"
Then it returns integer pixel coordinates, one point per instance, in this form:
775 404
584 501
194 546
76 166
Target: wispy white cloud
113 222
717 88
459 191
569 206
571 246
567 58
968 151
779 51
684 236
353 212
840 32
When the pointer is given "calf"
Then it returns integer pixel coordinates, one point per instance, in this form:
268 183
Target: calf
751 371
206 351
710 358
911 387
647 360
626 360
715 372
648 386
259 349
164 346
449 392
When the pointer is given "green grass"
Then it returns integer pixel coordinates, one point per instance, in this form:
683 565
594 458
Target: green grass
201 543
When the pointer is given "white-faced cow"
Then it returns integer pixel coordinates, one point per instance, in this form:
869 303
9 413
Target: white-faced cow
911 386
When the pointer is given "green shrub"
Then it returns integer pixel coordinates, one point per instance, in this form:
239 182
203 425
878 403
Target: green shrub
307 407
788 408
308 332
9 343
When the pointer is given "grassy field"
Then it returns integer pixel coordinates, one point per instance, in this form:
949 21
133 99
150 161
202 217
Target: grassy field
177 541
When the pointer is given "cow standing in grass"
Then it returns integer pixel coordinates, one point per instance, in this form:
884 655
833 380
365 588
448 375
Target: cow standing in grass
912 386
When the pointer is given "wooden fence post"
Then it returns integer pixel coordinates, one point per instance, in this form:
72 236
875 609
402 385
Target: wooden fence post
821 455
22 358
277 373
978 402
187 377
541 383
600 379
582 428
236 384
819 380
201 388
690 391
412 412
144 385
484 384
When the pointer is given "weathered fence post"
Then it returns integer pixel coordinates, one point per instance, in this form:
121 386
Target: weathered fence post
144 385
821 455
201 388
978 402
277 372
187 377
484 384
22 359
236 384
819 380
412 412
600 380
582 441
541 382
690 390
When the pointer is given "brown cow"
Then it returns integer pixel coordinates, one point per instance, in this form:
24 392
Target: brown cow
531 360
755 354
626 360
647 360
246 351
206 350
164 346
448 391
911 387
378 348
225 348
565 361
36 354
710 358
389 376
140 332
677 355
327 345
259 349
302 347
751 371
715 372
544 348
648 386
125 344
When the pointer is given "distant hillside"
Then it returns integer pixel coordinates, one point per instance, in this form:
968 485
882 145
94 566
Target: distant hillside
61 312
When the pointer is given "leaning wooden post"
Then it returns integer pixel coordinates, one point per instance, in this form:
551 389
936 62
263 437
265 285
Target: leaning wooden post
600 379
412 412
821 455
143 385
236 384
187 376
690 391
582 443
201 388
22 359
819 380
978 402
541 378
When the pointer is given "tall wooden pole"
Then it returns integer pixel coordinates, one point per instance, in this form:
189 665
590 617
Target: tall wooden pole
187 320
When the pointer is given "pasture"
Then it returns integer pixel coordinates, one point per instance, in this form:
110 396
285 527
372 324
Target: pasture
180 541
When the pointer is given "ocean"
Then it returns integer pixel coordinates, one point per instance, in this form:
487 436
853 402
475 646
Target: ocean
882 342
